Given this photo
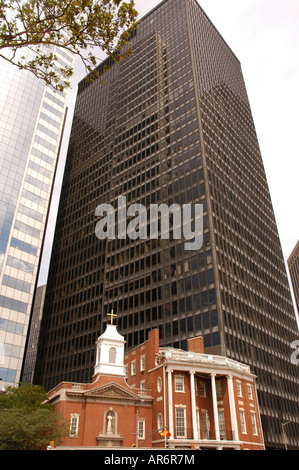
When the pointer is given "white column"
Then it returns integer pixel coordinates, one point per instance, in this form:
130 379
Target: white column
193 405
232 407
170 402
215 407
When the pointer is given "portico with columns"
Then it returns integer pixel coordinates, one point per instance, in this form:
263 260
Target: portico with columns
216 439
161 397
209 401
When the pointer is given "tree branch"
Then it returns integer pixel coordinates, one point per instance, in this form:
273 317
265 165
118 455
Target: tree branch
74 25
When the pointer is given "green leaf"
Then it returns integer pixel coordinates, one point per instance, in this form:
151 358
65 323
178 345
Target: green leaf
75 25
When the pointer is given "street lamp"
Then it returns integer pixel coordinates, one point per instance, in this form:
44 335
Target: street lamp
163 433
284 434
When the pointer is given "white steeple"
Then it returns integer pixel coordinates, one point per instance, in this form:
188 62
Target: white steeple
110 352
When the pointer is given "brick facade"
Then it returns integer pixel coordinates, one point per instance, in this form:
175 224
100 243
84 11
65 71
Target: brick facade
91 404
166 364
164 389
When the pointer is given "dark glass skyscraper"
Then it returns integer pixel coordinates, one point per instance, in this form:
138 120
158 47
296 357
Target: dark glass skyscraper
172 124
293 264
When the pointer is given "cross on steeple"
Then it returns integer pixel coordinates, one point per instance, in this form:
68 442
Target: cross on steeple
112 315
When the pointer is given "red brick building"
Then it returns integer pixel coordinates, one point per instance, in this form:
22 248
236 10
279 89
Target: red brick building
202 401
105 412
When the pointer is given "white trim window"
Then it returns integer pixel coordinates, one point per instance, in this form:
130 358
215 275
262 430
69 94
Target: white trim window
243 421
179 385
142 385
219 388
222 424
202 389
180 421
159 384
74 425
133 367
141 429
142 363
160 421
239 389
253 423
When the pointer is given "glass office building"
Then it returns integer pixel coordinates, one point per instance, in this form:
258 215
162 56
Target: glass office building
31 122
293 264
33 334
171 124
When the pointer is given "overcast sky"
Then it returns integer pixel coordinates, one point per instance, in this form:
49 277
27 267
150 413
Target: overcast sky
264 35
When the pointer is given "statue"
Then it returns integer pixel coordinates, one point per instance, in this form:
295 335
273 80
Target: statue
110 423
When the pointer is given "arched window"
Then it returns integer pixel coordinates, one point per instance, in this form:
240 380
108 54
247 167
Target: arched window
160 422
98 354
112 355
159 384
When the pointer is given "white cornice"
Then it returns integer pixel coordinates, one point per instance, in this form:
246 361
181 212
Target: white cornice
205 363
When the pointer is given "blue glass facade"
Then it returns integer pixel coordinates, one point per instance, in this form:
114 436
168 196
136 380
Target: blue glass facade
31 124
